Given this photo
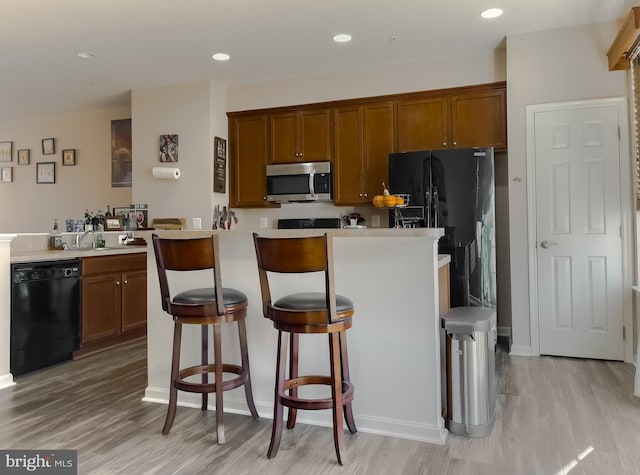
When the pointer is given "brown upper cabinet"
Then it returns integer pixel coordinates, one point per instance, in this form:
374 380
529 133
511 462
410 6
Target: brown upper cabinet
363 139
464 117
300 136
248 160
357 135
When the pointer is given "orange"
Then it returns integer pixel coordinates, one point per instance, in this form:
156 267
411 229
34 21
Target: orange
390 200
378 201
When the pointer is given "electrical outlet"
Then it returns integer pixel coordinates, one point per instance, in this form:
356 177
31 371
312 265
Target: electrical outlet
375 220
196 223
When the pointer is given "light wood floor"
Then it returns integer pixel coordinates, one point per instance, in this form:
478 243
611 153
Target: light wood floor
555 415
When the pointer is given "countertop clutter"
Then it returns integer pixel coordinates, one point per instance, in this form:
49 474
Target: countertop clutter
33 247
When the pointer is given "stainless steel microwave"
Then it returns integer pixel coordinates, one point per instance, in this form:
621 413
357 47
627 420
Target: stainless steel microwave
310 181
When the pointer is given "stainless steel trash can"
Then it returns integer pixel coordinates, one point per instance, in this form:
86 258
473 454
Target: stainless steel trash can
471 376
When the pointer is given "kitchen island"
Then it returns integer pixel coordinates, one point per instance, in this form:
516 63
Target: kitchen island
392 277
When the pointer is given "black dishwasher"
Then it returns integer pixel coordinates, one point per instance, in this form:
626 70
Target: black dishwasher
45 313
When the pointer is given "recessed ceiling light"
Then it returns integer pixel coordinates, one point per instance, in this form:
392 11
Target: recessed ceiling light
491 13
342 38
221 57
85 54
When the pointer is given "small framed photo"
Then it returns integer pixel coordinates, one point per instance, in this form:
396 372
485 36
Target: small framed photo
7 174
69 156
6 151
24 156
113 223
48 146
46 172
169 148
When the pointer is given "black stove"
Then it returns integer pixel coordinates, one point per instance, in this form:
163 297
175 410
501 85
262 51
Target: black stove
310 223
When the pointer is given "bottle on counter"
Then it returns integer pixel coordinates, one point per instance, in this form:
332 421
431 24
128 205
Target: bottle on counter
55 238
108 212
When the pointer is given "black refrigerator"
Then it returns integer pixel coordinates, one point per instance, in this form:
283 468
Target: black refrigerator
452 189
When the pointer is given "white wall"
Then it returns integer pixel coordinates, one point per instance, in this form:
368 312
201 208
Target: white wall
542 67
194 111
31 207
481 67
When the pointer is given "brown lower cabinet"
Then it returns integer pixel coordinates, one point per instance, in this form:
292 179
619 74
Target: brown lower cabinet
114 300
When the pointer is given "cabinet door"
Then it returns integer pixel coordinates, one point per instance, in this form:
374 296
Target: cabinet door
314 135
377 145
248 135
134 300
101 303
479 119
347 163
422 124
284 137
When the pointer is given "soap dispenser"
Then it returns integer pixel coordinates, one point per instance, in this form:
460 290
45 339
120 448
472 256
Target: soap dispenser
55 238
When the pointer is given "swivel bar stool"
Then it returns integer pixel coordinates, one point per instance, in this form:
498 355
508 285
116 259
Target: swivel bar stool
203 306
307 312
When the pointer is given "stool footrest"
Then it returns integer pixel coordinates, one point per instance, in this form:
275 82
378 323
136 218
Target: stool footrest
199 387
313 404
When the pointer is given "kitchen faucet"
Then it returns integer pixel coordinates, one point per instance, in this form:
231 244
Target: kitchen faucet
79 238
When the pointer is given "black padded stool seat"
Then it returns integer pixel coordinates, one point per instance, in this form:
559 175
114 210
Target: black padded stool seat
204 306
303 313
312 301
207 295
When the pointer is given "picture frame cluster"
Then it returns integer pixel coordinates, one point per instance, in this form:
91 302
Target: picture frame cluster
45 171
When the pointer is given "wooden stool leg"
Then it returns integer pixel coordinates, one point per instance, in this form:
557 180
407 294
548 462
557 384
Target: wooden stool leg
336 394
217 354
344 359
293 373
244 354
205 360
173 391
276 432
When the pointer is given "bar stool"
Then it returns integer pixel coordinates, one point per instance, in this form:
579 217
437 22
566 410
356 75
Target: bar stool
307 312
203 306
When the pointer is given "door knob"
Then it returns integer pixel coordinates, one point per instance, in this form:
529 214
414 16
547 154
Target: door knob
546 244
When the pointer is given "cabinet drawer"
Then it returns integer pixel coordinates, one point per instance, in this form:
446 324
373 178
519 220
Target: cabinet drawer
120 262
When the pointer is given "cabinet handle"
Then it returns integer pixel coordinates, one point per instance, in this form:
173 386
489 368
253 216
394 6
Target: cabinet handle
126 281
117 282
455 143
444 144
264 198
366 195
360 195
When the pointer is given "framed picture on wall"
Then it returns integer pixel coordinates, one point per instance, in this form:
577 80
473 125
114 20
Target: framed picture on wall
121 153
219 164
46 172
6 151
24 156
7 174
69 156
48 146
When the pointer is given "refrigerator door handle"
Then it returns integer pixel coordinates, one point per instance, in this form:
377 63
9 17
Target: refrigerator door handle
427 205
436 206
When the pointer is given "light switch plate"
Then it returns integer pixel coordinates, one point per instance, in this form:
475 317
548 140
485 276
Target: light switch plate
196 223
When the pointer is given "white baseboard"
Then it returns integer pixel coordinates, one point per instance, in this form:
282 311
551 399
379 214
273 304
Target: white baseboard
369 424
6 380
521 350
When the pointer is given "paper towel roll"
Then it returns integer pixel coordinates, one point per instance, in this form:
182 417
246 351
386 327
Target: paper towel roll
164 173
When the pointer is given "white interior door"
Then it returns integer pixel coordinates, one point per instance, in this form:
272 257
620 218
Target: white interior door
578 232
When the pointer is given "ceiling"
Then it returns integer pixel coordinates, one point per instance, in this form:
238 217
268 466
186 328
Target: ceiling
145 43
